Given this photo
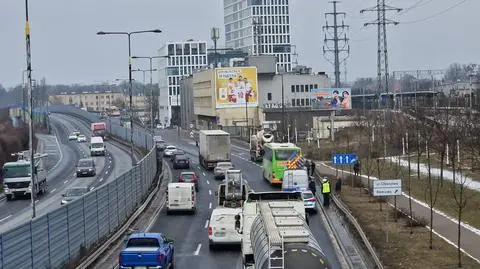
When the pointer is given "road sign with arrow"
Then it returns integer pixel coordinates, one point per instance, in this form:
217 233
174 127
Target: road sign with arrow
344 159
387 187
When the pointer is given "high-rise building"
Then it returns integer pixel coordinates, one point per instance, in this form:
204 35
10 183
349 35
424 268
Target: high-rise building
259 27
183 58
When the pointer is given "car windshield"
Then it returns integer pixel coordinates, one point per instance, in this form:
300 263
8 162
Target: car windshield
97 145
170 147
84 163
75 192
224 165
179 152
284 154
81 136
143 242
16 171
188 177
73 134
307 195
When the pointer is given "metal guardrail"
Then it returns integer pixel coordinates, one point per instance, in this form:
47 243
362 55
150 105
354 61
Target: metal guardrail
67 233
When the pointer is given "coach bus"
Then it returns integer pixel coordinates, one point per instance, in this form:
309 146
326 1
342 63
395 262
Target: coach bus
275 160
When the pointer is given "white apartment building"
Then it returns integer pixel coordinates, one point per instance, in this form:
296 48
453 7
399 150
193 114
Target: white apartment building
259 27
183 58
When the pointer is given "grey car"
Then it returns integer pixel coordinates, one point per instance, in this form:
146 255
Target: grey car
219 171
72 194
86 167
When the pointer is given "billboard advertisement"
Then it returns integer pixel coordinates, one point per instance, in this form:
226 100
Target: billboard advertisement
331 98
236 87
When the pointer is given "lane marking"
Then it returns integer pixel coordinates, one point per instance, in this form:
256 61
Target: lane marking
101 179
210 206
36 201
65 182
203 173
208 182
197 251
206 223
53 190
7 217
92 188
210 192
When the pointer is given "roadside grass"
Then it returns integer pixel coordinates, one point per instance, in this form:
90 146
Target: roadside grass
403 250
435 163
420 189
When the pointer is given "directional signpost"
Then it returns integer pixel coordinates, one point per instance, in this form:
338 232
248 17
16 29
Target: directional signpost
344 159
387 187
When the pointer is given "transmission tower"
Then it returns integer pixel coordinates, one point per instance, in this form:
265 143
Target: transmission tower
382 52
340 44
257 35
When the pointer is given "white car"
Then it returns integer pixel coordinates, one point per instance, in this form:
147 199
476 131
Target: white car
169 150
221 168
73 136
310 201
81 138
221 229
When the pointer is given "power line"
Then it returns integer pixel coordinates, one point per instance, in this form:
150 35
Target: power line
340 44
437 14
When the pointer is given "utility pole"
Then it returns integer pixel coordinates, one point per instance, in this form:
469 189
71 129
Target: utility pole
215 35
340 46
257 35
382 52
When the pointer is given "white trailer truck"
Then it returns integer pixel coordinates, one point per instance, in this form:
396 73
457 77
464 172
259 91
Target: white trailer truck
16 176
275 233
214 146
256 144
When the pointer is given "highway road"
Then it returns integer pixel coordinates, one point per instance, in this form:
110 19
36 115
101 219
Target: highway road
190 232
62 175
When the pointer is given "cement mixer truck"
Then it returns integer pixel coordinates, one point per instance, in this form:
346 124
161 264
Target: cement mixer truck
256 144
275 233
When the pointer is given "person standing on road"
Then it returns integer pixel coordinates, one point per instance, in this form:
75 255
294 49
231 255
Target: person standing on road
356 168
312 168
312 187
338 186
326 192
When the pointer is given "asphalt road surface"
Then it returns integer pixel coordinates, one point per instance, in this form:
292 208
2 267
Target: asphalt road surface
190 232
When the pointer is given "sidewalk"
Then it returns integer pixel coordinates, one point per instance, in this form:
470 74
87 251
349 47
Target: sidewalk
444 226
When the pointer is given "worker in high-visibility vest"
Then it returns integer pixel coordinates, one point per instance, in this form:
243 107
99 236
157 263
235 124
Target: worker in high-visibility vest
326 189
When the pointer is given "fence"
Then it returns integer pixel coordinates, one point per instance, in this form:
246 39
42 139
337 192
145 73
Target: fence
63 235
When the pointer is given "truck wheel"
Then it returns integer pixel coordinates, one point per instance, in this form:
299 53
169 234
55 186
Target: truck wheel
9 197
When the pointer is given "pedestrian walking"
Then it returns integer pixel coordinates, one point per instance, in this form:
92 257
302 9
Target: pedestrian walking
312 168
326 192
338 186
356 168
312 187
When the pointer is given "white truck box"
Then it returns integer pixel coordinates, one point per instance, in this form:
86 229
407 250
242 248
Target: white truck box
214 147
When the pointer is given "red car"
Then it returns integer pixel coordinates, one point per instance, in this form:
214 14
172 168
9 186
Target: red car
189 177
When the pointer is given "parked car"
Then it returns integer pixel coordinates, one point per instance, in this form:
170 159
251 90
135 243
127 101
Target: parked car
181 161
81 138
310 201
175 153
72 194
221 168
189 177
169 150
147 250
86 167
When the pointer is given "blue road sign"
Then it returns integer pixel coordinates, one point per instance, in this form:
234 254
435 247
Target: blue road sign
344 158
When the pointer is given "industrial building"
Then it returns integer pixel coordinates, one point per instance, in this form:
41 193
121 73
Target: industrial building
183 58
259 27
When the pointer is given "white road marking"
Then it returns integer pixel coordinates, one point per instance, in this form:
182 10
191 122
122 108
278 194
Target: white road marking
110 161
92 188
7 217
203 173
53 190
101 179
210 192
197 251
208 182
206 224
210 206
106 172
65 182
36 201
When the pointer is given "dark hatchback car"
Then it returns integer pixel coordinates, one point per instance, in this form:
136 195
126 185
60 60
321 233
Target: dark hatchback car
181 161
86 167
175 153
189 177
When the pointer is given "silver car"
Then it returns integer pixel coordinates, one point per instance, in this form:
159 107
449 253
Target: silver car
169 150
221 168
72 194
310 201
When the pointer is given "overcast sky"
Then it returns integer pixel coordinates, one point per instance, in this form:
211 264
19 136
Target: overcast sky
65 48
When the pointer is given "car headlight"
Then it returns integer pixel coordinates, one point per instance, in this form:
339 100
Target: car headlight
90 169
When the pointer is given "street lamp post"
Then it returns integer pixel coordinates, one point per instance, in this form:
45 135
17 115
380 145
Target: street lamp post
151 89
129 35
151 83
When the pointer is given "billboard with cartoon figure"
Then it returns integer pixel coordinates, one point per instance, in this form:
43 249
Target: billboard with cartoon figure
331 98
236 87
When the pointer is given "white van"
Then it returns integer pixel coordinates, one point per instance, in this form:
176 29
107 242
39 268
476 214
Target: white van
290 177
181 197
97 146
221 230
